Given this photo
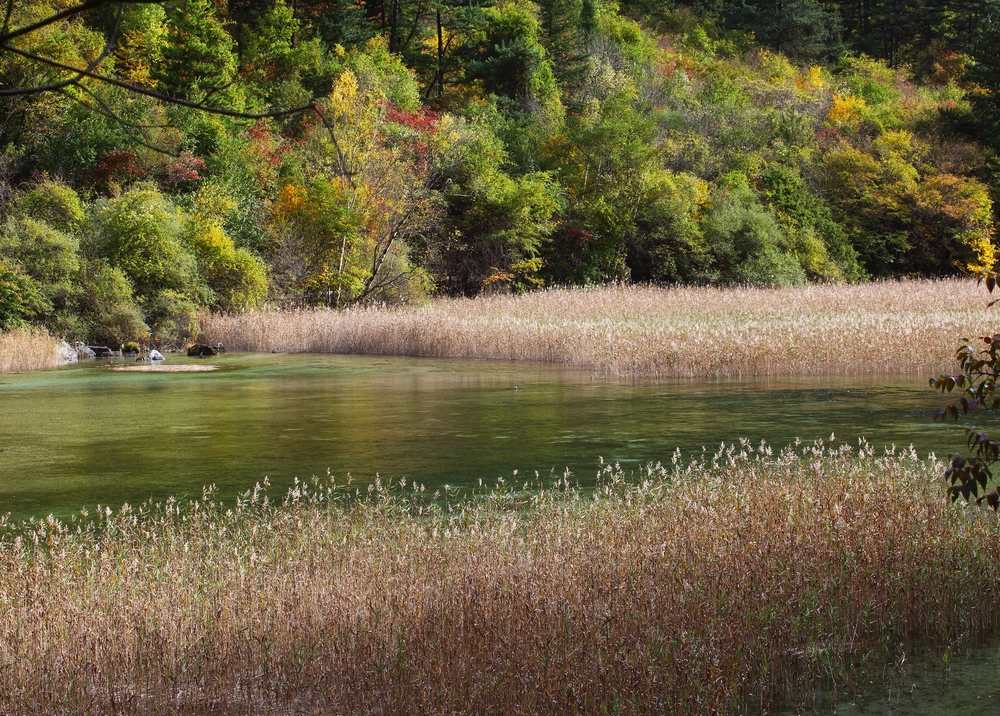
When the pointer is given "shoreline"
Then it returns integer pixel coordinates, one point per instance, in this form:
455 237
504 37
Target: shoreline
882 328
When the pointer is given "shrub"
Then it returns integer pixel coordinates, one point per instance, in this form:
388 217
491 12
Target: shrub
46 254
107 305
172 316
20 300
746 240
668 244
237 277
54 203
140 233
822 245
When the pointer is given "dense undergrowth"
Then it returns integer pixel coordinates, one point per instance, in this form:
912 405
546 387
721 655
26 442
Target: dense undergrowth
726 585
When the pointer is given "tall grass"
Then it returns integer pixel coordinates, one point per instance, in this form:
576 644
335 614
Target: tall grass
24 350
723 586
875 329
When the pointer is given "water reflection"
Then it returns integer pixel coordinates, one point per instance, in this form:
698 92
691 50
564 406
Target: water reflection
87 435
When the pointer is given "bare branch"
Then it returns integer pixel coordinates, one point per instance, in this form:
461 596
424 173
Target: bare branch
69 12
158 95
112 116
109 46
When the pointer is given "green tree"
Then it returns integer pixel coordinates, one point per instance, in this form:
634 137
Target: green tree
507 57
496 225
746 240
20 300
198 59
985 71
141 233
53 203
567 27
107 305
48 257
804 29
236 277
280 64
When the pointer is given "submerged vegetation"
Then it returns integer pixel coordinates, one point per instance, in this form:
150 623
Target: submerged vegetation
726 585
881 328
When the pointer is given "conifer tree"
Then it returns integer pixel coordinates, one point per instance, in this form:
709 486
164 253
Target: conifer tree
198 57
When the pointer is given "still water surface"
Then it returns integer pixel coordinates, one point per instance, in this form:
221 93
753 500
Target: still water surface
87 435
960 685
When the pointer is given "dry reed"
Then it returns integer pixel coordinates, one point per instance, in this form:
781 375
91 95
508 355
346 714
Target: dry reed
25 350
869 329
724 586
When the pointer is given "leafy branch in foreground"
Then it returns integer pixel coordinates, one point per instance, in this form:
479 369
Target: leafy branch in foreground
77 74
970 476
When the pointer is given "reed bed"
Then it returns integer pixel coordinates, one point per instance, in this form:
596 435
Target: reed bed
727 585
25 350
870 329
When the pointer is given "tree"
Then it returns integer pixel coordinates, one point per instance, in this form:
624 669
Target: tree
507 57
985 71
198 61
141 234
279 64
20 300
804 29
236 277
107 305
496 226
567 26
746 240
200 53
47 256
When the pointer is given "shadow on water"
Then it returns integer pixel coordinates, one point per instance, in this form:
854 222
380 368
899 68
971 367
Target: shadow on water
88 435
932 685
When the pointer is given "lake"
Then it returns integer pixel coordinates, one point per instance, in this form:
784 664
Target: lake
933 684
86 435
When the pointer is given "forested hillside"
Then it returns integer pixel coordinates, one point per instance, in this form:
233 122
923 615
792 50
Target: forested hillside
158 160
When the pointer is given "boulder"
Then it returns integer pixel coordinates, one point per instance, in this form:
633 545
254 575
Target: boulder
84 352
101 351
67 353
200 350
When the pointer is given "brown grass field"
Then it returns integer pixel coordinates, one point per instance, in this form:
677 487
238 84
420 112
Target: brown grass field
869 329
21 351
733 585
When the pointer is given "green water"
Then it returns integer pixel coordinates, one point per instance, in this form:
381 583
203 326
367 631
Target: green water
959 685
88 435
